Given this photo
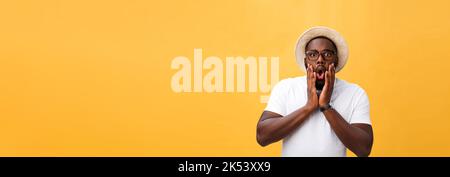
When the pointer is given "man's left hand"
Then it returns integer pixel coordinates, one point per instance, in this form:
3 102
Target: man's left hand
325 96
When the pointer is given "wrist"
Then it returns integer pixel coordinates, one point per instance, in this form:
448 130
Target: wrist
324 104
310 106
325 107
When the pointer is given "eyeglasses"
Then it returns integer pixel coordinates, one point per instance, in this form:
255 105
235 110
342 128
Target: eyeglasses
313 55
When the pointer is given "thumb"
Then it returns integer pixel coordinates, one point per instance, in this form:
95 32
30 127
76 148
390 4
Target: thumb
313 82
325 87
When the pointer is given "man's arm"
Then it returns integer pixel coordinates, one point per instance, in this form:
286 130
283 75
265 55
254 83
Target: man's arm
356 137
273 127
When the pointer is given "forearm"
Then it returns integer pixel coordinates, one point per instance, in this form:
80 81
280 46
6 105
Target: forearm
274 129
354 138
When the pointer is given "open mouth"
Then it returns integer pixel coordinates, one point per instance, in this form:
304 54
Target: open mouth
320 72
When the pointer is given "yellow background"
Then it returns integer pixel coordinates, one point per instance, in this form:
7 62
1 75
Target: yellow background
92 78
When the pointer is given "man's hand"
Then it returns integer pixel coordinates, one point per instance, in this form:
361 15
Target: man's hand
325 96
313 100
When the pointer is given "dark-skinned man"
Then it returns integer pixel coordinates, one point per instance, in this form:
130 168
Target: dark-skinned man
318 114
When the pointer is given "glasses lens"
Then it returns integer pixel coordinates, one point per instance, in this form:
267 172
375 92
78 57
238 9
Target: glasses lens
328 55
312 55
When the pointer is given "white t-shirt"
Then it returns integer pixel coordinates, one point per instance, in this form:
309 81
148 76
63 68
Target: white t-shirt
315 137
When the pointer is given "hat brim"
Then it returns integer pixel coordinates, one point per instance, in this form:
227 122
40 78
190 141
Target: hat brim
333 35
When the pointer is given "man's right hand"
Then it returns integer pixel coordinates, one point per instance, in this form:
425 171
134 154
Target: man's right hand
313 100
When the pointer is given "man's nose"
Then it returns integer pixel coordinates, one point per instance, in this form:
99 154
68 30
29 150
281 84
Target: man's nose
320 60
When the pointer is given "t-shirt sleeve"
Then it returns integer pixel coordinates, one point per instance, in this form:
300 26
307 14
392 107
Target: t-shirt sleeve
277 99
361 112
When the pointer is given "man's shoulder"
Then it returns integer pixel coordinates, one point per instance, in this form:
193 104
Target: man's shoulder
348 86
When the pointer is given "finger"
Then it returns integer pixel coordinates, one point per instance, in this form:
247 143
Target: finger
330 73
333 74
333 69
308 74
308 70
331 80
313 82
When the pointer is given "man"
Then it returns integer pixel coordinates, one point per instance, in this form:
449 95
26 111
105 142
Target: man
318 114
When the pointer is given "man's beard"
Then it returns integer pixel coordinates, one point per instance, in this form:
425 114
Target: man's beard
320 84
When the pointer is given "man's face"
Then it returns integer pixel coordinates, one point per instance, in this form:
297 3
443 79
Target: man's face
320 53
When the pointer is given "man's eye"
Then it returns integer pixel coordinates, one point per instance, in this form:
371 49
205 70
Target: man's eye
327 54
312 55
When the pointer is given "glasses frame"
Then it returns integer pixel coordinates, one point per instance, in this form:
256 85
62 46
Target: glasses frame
321 53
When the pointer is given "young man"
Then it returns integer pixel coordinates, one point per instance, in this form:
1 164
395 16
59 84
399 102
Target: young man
318 114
